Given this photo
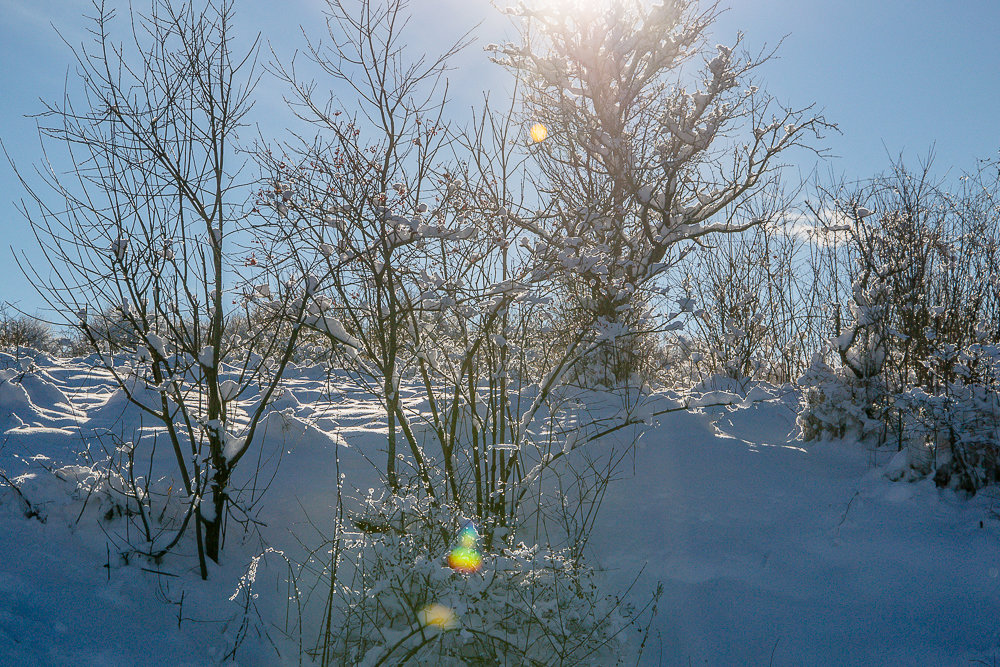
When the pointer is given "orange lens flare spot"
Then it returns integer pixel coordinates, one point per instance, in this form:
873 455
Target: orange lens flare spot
464 560
539 132
437 615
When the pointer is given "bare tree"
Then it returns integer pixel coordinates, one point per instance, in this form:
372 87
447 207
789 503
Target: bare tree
637 168
145 228
759 309
406 241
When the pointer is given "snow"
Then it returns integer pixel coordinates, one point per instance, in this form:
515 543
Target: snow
156 343
312 282
333 326
804 551
686 304
118 411
715 398
764 545
166 252
233 446
119 247
228 389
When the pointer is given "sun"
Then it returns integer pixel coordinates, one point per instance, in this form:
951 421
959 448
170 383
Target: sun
586 6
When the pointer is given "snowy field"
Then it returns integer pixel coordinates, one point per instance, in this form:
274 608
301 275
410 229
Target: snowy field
770 551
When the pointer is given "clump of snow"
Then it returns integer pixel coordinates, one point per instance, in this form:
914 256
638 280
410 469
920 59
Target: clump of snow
334 328
233 445
157 343
228 389
119 247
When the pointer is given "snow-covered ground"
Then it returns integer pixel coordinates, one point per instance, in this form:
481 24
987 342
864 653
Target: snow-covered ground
770 551
773 551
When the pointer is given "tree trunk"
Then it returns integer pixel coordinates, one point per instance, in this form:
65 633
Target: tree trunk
213 532
213 526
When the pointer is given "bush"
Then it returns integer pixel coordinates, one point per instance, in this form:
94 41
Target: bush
951 431
395 600
916 291
837 404
954 431
18 330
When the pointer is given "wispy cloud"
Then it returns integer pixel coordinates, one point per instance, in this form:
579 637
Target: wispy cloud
829 228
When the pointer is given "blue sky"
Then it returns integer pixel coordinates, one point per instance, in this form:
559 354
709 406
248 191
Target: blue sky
897 76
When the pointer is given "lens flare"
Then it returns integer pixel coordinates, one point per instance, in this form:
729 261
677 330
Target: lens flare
437 615
468 537
465 557
539 133
465 561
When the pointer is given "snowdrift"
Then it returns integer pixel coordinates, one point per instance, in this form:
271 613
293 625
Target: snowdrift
770 551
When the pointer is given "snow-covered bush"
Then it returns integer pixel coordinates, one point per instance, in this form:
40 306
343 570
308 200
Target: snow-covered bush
851 400
954 430
835 403
396 600
951 431
915 289
629 348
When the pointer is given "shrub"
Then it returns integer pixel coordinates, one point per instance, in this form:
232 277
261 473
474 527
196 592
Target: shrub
915 318
18 330
954 431
837 404
395 600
